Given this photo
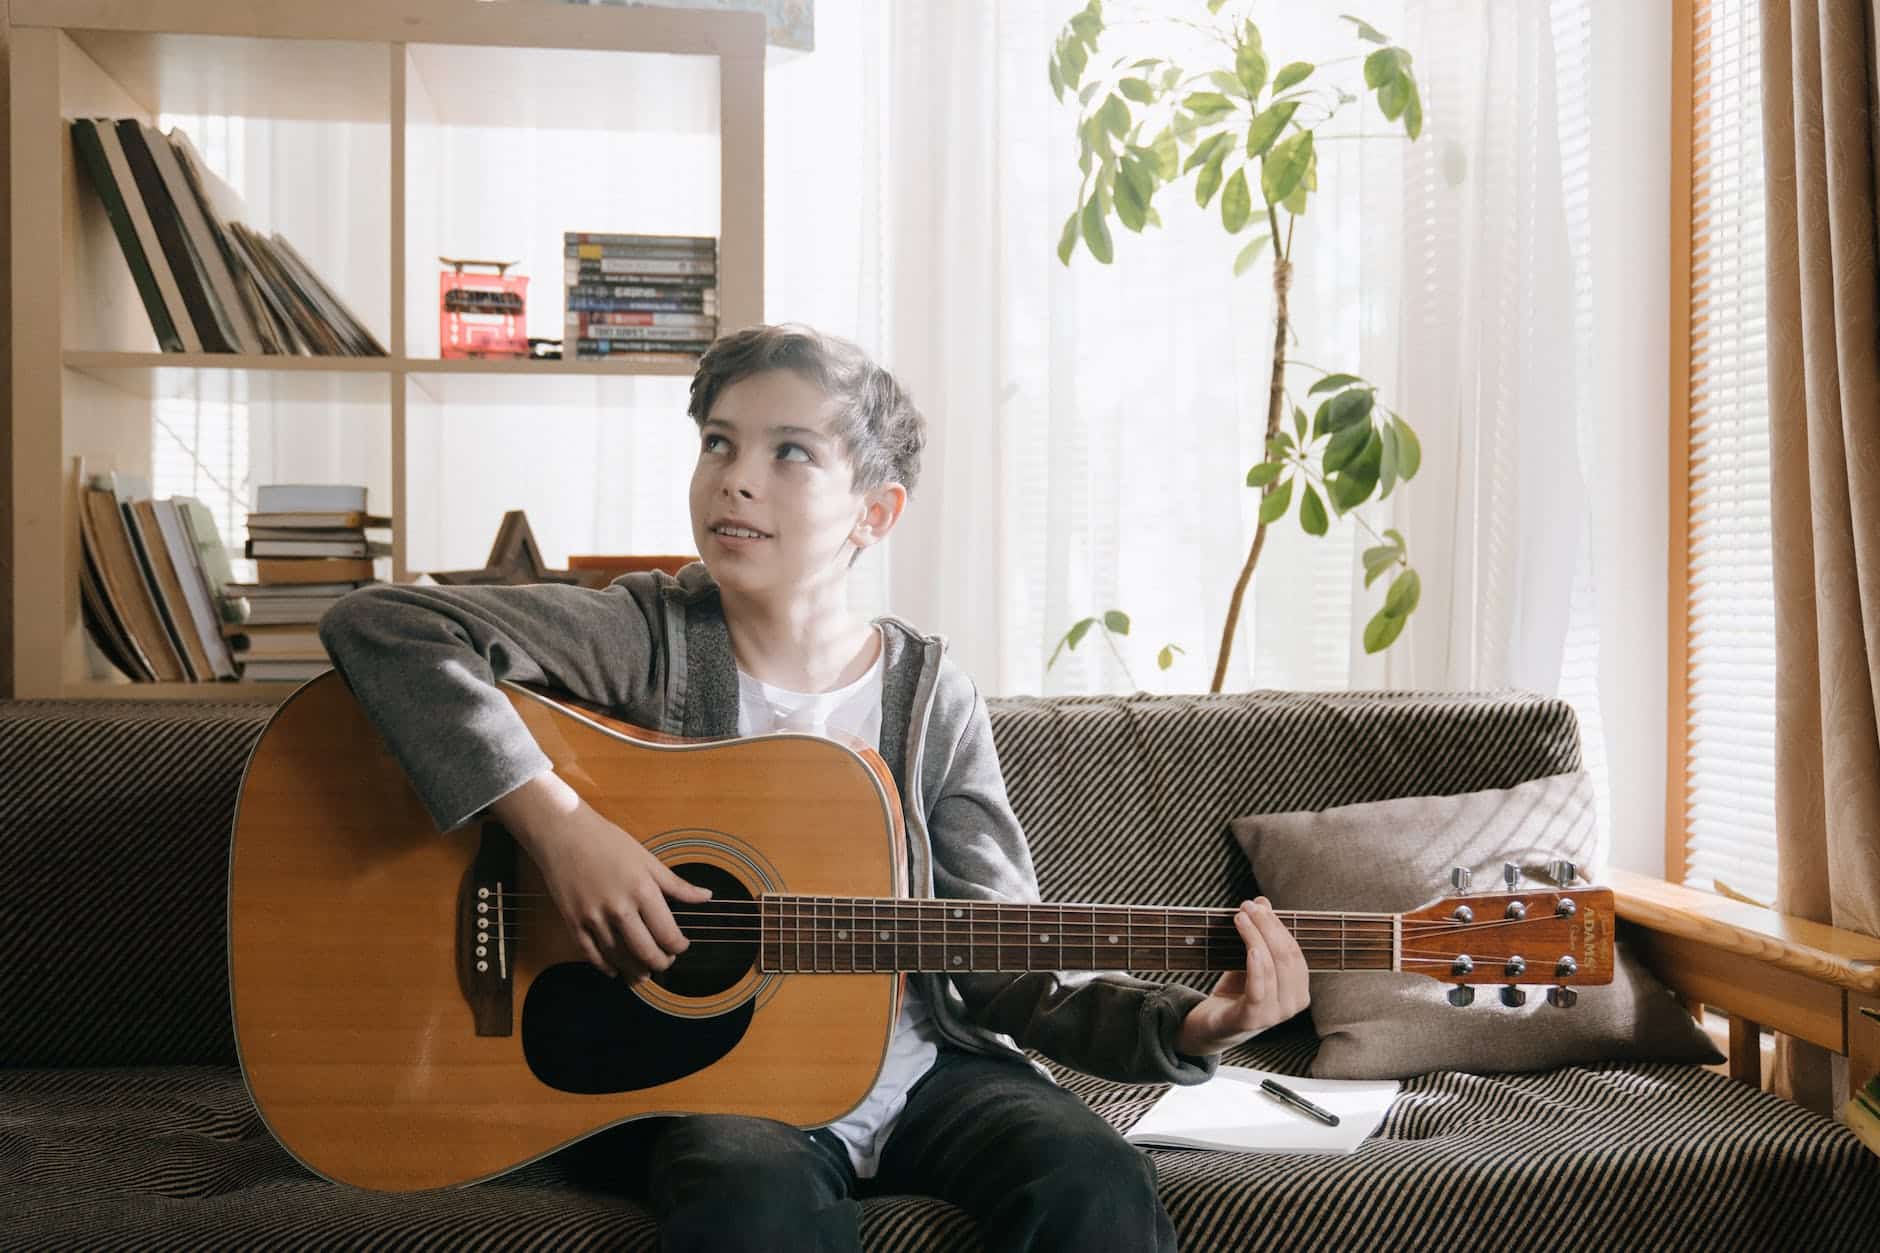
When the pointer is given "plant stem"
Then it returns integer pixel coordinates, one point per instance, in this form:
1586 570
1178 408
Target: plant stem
1282 285
1119 657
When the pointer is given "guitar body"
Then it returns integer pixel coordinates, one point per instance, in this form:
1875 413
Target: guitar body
410 1009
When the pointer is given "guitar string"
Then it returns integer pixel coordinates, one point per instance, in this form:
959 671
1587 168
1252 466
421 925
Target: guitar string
928 913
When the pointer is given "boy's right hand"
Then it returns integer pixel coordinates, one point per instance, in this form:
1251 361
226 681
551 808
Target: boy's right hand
609 888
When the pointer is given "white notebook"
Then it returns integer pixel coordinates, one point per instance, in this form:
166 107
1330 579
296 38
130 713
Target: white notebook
1230 1111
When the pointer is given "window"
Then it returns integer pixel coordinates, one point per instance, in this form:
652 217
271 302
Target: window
1722 712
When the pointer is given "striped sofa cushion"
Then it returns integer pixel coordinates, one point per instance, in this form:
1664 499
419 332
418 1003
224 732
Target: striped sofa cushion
115 821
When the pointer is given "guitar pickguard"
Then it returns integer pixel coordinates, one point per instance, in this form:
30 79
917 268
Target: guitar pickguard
584 1032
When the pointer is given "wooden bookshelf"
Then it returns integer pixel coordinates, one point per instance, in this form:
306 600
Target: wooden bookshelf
406 76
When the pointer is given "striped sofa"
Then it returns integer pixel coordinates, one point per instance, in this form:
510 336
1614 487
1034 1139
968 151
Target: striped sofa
124 1122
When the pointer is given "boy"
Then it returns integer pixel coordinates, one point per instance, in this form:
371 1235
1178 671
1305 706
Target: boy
807 454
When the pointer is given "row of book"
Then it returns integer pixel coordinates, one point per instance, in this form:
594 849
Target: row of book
208 282
310 547
639 297
160 599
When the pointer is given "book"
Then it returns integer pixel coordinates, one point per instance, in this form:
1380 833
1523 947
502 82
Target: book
643 320
166 221
219 205
171 601
238 323
310 498
318 548
666 268
147 236
1230 1112
588 346
257 593
283 611
313 569
204 614
211 557
103 530
91 158
314 519
106 632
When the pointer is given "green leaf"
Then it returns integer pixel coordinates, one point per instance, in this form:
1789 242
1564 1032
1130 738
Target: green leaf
1351 488
1090 91
1210 180
1405 590
1078 631
1116 622
1381 67
1279 447
1236 203
1312 513
1396 537
1229 85
1265 473
1342 410
1283 167
1208 149
1367 31
1296 72
1167 156
1067 242
1332 382
1072 57
1409 453
1382 631
1274 506
1267 126
1345 446
1204 103
1114 115
1096 234
1300 422
1387 463
1393 97
1134 185
1250 68
1295 204
1251 253
1413 108
1057 80
1379 559
1137 89
1214 6
1166 658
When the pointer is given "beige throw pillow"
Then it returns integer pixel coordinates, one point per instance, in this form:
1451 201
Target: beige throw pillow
1393 856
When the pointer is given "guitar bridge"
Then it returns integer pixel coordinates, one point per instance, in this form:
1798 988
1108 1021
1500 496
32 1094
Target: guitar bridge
487 916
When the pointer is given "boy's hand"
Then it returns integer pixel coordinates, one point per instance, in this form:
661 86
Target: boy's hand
1271 989
611 891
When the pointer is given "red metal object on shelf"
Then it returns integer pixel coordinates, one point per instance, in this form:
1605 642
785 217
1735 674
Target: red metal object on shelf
481 315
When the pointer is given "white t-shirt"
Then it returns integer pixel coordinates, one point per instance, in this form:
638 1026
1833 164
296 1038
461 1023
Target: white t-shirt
854 710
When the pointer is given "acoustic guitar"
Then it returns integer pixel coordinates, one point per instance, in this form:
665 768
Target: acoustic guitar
412 1012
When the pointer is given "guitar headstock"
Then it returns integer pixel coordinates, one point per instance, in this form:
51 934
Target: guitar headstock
1560 936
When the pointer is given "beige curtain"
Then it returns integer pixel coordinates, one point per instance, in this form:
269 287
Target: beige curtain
1819 118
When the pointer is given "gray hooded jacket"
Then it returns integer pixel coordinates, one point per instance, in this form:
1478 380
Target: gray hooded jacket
422 662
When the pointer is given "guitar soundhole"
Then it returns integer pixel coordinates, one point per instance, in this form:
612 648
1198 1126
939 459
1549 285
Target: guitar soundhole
720 954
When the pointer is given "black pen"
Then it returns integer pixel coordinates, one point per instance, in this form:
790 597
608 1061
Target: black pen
1299 1102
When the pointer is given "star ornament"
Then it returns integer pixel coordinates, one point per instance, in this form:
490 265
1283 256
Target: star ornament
515 558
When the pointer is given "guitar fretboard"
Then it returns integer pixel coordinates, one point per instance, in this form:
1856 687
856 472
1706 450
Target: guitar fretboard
834 934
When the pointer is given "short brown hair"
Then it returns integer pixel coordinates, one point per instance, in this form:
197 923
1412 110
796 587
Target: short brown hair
880 429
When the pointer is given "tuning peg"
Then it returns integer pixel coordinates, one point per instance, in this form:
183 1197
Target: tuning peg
1562 997
1562 872
1564 907
1513 997
1462 994
1510 874
1460 877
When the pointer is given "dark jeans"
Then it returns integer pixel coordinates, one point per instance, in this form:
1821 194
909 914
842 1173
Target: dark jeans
1030 1162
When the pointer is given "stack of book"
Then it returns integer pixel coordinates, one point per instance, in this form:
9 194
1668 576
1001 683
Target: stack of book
640 297
310 548
153 581
209 283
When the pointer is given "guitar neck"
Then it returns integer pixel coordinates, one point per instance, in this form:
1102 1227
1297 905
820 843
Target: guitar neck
835 934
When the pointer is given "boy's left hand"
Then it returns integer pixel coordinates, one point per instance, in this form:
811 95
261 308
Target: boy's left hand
1269 990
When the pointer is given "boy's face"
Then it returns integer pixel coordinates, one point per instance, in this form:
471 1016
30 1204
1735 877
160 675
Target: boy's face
768 463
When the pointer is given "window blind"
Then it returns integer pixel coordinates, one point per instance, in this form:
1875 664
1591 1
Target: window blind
1729 682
